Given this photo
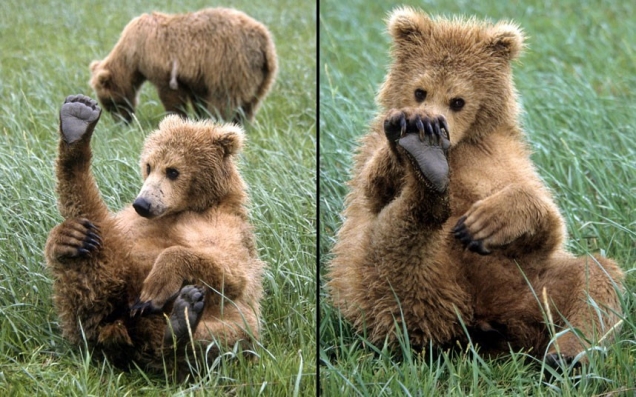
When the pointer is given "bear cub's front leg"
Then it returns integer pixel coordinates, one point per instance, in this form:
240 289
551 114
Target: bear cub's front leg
424 141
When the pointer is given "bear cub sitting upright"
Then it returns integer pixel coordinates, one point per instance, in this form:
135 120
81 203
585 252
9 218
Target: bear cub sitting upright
448 221
184 247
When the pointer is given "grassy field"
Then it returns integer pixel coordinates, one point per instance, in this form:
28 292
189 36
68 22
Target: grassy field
46 48
577 82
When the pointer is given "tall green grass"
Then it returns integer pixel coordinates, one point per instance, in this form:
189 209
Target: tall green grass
45 50
577 82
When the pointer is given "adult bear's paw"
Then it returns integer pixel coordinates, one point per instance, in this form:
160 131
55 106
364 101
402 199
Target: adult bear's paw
78 117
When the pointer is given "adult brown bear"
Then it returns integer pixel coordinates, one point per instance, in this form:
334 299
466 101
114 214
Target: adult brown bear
219 59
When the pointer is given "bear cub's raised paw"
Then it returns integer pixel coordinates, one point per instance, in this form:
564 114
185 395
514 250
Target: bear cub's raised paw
186 312
424 141
78 116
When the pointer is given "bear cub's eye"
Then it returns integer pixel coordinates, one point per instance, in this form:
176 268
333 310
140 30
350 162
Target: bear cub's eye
172 173
457 104
420 95
147 168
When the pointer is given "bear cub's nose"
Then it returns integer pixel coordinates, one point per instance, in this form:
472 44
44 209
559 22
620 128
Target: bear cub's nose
142 206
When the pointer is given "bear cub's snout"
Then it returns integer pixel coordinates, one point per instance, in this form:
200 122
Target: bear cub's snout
142 206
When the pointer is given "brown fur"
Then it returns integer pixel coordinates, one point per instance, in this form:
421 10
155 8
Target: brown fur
397 259
220 59
196 232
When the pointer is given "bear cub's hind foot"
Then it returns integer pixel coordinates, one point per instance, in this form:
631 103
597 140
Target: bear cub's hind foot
78 117
186 313
424 141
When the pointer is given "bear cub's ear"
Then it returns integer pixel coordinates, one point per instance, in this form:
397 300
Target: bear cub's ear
231 137
506 40
405 23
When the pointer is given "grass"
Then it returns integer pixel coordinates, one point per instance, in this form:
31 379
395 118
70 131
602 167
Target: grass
46 50
577 82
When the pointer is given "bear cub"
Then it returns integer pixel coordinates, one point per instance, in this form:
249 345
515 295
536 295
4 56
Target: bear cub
177 266
447 223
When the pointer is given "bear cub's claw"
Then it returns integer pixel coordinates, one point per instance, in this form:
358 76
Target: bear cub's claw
146 307
140 308
78 116
425 142
92 241
78 238
461 233
557 361
186 312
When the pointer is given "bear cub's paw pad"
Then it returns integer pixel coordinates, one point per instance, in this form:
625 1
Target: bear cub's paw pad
461 233
78 116
424 141
186 312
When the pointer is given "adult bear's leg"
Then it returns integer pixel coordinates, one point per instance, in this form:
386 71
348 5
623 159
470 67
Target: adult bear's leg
174 100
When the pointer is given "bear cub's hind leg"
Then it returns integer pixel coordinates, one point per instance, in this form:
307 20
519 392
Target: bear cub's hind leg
78 117
424 141
186 313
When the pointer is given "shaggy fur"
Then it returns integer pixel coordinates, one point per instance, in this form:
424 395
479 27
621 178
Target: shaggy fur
221 60
486 247
185 243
